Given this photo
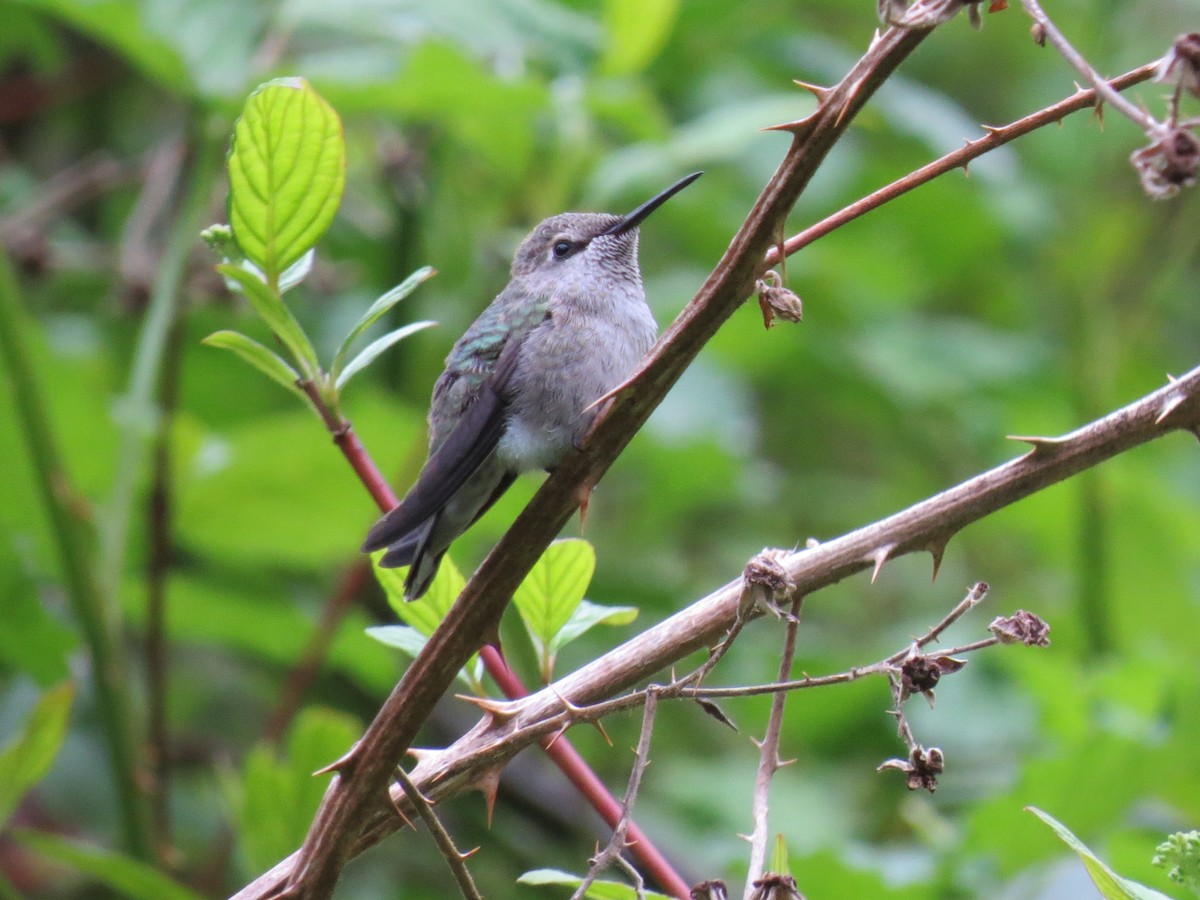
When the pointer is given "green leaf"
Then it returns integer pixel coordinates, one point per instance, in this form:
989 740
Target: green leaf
599 890
272 310
378 310
587 615
1111 885
27 757
127 877
287 170
423 616
280 793
376 347
637 31
551 593
266 361
779 857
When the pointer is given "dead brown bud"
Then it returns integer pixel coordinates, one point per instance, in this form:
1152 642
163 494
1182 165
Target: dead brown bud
922 768
766 583
777 301
710 890
919 674
1021 627
776 887
1181 65
1168 164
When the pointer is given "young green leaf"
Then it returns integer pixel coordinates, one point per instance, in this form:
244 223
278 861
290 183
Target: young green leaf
27 757
378 310
287 171
127 877
1111 885
376 347
551 593
423 616
587 616
280 794
266 361
278 317
779 857
598 890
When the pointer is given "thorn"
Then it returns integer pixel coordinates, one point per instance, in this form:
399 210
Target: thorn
992 129
798 128
1042 446
488 784
500 711
552 741
604 734
344 764
628 382
583 496
465 856
400 813
937 549
882 555
815 89
1172 403
781 763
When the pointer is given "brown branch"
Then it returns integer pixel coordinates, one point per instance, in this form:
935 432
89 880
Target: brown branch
768 756
959 159
352 804
455 860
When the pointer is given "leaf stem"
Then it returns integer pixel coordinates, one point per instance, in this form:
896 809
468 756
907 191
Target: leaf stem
83 595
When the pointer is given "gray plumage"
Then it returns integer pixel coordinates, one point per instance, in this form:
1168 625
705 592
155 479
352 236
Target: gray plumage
569 327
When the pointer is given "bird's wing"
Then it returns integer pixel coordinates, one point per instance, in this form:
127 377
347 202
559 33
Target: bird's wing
472 439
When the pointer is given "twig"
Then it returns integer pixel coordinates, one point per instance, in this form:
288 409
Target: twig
768 756
158 564
959 159
87 606
351 583
1139 117
356 793
617 845
455 860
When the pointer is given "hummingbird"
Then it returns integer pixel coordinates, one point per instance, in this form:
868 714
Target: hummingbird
520 385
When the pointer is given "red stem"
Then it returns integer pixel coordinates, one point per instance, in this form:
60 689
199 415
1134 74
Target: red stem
560 750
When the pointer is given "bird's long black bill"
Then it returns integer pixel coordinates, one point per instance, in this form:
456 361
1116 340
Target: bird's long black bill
635 218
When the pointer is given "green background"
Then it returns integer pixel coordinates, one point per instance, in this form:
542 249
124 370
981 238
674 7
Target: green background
1028 298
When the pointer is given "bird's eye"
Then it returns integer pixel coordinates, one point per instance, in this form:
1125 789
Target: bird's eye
562 249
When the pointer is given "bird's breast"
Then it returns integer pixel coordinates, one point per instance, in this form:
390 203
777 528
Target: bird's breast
566 363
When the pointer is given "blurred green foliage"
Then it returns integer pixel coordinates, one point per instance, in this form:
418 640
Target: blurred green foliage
1034 295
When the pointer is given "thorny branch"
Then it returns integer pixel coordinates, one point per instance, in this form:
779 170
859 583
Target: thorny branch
455 860
617 844
352 817
768 756
928 525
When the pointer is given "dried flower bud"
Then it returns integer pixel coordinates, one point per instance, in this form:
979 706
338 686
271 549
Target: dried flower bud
776 300
1021 627
766 583
1038 32
919 674
921 768
1168 164
1181 65
710 890
776 887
